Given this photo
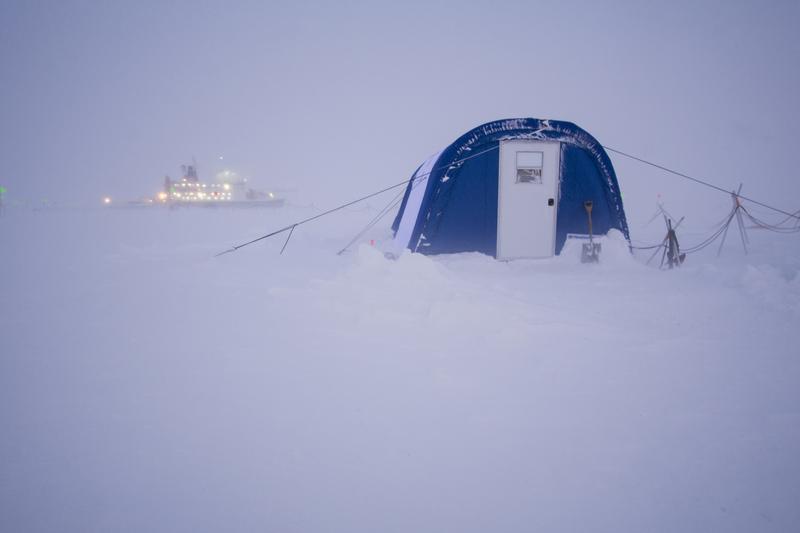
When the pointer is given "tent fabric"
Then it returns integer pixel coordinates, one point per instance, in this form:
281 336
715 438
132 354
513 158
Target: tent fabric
412 200
458 210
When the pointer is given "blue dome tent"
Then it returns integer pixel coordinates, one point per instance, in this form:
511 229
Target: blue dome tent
511 188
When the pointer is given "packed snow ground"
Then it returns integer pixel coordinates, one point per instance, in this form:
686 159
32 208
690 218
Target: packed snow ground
147 386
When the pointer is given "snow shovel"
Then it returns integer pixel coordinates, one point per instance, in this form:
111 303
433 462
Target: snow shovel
590 252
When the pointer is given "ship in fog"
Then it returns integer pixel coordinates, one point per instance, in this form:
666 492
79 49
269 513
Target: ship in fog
227 189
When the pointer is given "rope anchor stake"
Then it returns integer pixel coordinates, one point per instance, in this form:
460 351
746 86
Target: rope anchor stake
287 239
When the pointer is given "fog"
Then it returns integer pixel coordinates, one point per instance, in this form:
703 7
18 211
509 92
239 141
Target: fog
146 385
334 99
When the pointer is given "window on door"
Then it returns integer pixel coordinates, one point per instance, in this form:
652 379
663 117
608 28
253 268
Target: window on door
529 167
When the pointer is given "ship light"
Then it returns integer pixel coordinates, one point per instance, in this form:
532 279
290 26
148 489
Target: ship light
271 195
162 196
107 200
227 186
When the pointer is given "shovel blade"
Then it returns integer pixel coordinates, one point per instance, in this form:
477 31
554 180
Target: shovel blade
590 252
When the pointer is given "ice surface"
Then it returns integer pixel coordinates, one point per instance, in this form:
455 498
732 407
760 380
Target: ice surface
146 386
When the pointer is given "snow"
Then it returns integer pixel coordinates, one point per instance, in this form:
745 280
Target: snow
147 386
411 212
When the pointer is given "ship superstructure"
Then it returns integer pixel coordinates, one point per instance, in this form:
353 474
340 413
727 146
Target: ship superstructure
228 188
190 189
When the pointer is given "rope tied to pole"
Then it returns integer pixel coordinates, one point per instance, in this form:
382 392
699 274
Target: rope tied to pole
287 238
291 227
795 215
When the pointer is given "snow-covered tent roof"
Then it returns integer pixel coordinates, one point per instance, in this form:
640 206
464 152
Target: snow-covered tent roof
452 204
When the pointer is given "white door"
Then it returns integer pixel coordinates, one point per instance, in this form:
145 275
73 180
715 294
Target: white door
527 199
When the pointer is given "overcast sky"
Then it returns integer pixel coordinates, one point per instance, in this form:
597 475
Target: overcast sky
334 99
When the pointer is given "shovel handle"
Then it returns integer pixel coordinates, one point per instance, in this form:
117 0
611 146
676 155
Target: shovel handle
588 206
